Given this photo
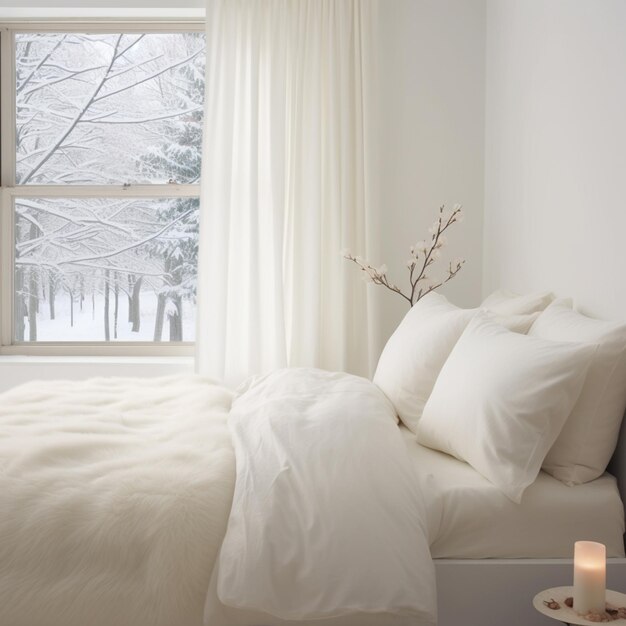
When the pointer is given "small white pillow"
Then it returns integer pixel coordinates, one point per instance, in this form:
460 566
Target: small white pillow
415 353
584 448
517 323
501 400
509 303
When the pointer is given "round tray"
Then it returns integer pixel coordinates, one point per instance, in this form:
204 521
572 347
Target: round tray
569 616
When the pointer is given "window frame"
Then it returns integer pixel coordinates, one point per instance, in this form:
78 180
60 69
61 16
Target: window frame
9 190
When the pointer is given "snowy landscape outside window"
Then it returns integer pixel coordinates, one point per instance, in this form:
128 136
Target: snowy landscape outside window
102 190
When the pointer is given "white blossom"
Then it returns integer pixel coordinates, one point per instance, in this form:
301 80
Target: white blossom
421 246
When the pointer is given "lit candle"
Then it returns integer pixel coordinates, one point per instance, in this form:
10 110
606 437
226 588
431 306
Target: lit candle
589 577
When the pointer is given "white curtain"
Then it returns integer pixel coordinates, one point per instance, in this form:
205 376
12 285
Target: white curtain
287 184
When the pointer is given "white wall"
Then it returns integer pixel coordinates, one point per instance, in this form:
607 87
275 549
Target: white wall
17 370
555 187
432 63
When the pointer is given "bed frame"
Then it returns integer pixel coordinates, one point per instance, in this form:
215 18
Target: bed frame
499 592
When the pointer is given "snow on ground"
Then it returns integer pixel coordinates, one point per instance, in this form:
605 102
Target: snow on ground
89 323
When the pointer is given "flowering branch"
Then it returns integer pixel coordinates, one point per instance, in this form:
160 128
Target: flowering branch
423 255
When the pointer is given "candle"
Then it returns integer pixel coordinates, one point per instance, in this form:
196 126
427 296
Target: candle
589 577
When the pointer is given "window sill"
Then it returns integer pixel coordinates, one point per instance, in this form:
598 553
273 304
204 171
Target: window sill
18 369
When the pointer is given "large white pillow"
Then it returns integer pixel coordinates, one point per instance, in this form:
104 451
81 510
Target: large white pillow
506 302
415 353
501 400
584 448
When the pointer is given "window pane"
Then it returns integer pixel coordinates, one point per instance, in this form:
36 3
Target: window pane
105 269
108 108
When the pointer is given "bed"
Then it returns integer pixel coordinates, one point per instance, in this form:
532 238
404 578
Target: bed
117 501
116 494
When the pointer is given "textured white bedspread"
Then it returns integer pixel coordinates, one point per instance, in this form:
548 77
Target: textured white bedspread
114 496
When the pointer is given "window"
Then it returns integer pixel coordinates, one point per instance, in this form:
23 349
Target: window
101 153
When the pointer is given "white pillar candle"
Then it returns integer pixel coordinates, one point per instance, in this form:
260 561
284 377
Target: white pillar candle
589 577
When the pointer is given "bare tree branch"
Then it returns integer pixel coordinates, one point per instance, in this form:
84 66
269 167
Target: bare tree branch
71 127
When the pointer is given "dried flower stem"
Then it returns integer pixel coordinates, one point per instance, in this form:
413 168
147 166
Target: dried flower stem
427 253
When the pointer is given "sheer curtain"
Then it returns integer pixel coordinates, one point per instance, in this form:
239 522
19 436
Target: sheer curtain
287 183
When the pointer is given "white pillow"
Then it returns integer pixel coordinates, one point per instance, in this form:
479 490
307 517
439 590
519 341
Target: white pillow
584 448
501 400
415 353
517 323
510 303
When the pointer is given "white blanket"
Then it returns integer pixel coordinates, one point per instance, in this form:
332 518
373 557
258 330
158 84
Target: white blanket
327 517
114 497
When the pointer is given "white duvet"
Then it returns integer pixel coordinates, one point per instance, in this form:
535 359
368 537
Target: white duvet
115 497
327 517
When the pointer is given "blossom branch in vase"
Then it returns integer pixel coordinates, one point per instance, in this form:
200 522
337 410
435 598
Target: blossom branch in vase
423 255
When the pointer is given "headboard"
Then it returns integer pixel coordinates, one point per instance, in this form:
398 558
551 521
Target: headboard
617 467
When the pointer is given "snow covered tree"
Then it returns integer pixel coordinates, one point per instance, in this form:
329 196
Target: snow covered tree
179 154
